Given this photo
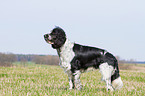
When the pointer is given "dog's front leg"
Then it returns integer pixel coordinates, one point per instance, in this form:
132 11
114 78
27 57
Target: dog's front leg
77 79
71 80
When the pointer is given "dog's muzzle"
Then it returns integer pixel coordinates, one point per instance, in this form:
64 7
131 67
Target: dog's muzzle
48 38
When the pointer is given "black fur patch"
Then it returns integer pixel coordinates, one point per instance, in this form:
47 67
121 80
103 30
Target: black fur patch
86 57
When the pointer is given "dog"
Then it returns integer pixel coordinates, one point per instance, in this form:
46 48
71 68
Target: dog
76 59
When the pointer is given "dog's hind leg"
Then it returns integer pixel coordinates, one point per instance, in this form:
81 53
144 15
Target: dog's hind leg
77 79
109 85
106 71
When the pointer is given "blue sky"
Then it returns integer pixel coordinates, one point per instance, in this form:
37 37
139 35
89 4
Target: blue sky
115 25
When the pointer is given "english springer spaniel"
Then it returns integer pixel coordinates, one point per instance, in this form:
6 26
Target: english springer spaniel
76 59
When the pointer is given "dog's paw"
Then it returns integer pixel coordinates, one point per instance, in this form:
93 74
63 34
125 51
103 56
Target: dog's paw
70 88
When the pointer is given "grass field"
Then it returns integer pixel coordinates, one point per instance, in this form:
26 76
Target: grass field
42 80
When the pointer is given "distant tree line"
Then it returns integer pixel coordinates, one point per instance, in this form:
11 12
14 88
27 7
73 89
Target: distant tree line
38 59
7 59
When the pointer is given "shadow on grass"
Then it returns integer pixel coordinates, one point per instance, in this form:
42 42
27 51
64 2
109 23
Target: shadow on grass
84 89
56 88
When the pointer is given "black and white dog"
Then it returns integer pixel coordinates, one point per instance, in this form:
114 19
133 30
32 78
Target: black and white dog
76 59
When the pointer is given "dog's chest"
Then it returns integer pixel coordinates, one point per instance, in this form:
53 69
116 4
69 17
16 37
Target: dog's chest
66 55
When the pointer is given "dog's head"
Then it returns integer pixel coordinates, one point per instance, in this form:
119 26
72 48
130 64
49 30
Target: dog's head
56 38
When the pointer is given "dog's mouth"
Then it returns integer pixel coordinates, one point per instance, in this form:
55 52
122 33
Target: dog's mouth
47 39
50 42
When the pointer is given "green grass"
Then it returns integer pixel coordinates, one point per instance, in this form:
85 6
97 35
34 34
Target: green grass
42 80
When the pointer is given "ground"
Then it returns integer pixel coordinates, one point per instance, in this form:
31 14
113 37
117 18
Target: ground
43 80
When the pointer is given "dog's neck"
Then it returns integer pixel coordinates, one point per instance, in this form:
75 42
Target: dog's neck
66 46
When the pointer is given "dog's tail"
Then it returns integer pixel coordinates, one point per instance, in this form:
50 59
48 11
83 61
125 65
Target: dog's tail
116 80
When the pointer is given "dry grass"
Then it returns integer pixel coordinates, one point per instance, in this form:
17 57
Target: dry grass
41 80
140 67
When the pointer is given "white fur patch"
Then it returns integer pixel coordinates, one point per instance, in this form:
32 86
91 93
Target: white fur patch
106 70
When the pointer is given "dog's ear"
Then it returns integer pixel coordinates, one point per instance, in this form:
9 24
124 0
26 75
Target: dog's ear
60 38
